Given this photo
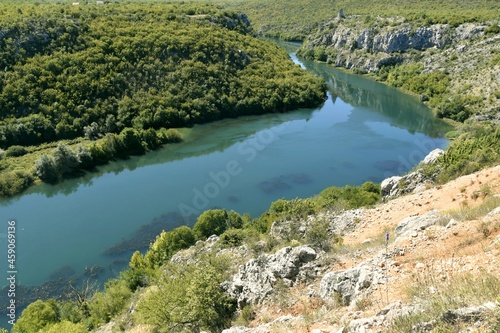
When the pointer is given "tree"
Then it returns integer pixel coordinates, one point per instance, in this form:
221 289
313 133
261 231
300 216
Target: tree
66 327
131 140
37 316
84 156
92 131
65 159
211 222
46 170
167 244
187 299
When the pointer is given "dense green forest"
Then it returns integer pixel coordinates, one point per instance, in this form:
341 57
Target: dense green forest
295 20
117 75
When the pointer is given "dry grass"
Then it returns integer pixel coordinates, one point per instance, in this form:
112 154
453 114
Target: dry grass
438 295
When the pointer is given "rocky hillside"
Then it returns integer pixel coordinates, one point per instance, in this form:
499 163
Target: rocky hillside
426 261
468 55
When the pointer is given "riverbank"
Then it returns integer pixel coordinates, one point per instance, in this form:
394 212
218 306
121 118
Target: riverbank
84 74
443 237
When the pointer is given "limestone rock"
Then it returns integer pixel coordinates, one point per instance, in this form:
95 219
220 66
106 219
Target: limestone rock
256 279
494 212
347 283
468 314
389 186
412 224
433 156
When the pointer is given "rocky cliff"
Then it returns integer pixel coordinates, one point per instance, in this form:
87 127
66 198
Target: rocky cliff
468 54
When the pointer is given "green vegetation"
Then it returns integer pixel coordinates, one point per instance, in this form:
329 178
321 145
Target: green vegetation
187 298
114 77
174 297
475 147
294 20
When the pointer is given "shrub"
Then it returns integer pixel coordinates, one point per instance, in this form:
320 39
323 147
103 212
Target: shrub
295 208
492 29
234 220
185 298
104 306
66 327
37 316
15 182
171 136
165 246
46 169
211 222
317 235
84 155
66 160
349 197
131 142
15 151
232 237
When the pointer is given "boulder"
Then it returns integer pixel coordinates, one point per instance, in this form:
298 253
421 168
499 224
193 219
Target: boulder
256 279
412 224
389 186
467 314
433 156
346 283
410 183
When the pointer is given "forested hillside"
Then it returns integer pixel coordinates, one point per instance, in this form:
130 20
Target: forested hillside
121 72
295 20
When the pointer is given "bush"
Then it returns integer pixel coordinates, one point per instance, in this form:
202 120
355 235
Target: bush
165 246
37 316
15 151
211 222
66 327
15 182
66 160
46 169
186 298
131 142
234 220
233 237
492 29
171 136
318 236
105 305
295 208
349 197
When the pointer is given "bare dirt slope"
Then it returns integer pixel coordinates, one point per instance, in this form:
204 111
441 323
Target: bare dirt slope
461 242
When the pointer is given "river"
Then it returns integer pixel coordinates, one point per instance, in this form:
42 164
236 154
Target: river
364 131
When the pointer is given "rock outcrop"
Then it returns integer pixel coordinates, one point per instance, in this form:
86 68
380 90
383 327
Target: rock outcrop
409 226
433 156
412 182
465 53
351 285
256 279
382 42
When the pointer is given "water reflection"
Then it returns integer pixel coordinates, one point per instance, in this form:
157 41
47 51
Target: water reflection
404 112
